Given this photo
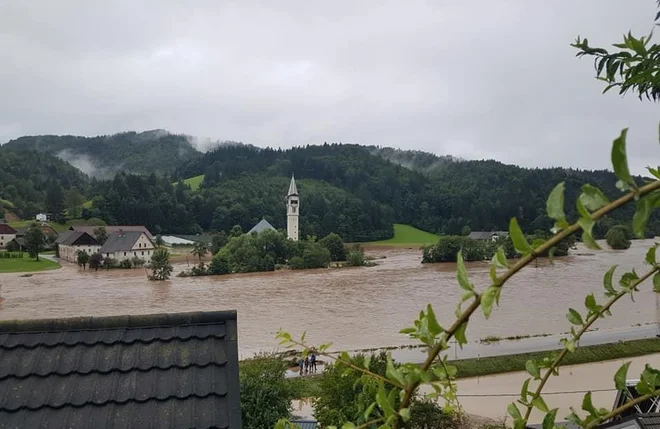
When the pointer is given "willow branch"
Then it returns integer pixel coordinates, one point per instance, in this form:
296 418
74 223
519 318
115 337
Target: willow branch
615 412
555 364
523 262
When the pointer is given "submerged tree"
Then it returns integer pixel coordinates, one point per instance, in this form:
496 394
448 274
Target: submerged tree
616 238
95 261
83 259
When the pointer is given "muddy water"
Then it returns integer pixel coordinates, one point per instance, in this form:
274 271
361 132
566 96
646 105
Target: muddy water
355 308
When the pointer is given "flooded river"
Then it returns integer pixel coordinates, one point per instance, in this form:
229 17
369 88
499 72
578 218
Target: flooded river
353 307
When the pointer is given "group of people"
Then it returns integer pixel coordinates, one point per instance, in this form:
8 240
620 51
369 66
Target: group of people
308 364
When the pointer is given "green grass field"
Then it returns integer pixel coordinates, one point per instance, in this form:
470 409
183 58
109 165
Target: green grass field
194 182
57 226
406 235
306 387
6 204
26 265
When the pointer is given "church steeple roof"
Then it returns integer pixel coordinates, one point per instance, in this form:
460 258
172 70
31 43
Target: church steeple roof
293 190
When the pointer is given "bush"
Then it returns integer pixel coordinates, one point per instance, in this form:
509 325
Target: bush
335 246
125 263
297 263
265 394
316 256
616 238
355 258
109 263
219 265
448 247
137 261
95 261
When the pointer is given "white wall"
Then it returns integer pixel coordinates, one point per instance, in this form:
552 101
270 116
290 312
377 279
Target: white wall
70 253
5 239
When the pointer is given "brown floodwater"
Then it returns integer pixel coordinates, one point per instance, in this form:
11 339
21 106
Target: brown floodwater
353 307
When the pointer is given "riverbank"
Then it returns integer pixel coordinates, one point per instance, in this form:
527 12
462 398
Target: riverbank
26 265
309 386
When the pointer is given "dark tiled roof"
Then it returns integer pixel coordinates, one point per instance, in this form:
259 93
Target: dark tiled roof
152 371
639 420
6 229
121 241
110 229
70 238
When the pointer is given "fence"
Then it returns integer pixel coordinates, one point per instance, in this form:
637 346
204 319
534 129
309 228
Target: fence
11 255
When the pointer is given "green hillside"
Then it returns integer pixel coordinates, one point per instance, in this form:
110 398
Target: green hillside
194 182
406 235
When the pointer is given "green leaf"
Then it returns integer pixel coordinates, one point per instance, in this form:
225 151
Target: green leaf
383 403
620 159
493 271
588 406
590 303
434 326
642 214
654 171
513 411
394 374
518 238
533 369
650 255
500 258
369 410
461 273
460 334
367 362
549 419
348 425
589 241
405 414
574 317
593 198
621 376
607 280
539 403
555 203
487 300
524 390
656 282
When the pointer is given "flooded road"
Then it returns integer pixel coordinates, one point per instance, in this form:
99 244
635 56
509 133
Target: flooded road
354 307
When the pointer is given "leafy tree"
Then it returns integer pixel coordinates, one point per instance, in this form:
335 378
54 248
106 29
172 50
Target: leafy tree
83 258
161 269
314 255
616 238
95 261
465 231
55 201
74 200
265 393
101 234
219 265
199 250
355 258
236 231
218 241
335 246
159 241
34 241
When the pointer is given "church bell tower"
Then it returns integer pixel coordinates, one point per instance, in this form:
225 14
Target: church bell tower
292 210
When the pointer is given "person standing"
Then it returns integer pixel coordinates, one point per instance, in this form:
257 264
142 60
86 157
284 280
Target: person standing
313 362
307 368
301 363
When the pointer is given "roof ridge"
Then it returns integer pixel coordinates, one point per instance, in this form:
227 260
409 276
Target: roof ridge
106 342
116 402
116 370
155 320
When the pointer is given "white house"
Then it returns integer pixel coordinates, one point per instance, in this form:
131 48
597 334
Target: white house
7 234
69 243
42 217
128 244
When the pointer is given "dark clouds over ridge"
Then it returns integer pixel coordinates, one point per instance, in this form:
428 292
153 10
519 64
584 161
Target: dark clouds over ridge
475 79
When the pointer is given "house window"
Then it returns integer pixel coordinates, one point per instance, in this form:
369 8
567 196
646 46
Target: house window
124 253
134 253
140 245
143 253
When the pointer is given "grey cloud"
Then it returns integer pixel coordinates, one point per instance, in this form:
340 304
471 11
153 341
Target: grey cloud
474 79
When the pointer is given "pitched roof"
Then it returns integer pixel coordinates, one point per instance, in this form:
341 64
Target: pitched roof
121 241
293 190
70 238
641 421
262 226
89 229
6 229
157 370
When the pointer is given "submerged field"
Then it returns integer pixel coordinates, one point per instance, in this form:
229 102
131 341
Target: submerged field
406 235
26 265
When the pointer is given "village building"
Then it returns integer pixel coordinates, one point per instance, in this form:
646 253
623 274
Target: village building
109 229
487 235
69 243
42 217
123 245
170 371
7 234
292 210
262 226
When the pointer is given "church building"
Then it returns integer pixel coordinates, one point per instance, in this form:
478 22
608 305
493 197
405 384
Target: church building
292 210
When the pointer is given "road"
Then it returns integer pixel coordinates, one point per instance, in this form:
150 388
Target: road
526 345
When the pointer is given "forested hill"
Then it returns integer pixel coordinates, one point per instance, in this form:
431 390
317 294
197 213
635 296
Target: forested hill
151 151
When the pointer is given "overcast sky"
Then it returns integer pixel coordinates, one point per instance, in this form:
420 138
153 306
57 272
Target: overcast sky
474 79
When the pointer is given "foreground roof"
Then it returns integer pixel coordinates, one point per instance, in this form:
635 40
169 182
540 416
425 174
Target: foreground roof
151 371
635 421
262 226
121 241
110 229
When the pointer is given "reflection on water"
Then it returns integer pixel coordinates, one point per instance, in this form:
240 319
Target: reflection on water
354 307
